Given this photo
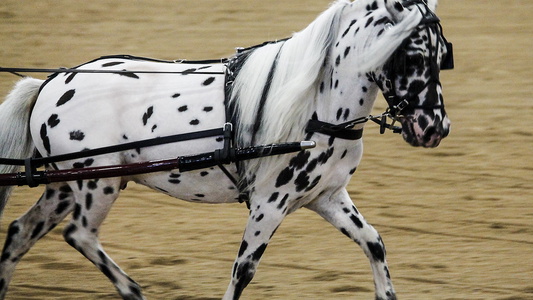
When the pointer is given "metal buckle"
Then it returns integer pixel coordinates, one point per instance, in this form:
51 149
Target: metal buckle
399 107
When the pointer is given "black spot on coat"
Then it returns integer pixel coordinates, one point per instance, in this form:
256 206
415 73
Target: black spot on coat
77 211
378 252
347 51
284 177
49 193
53 121
70 77
259 252
208 81
77 135
61 207
37 230
300 160
88 201
369 21
346 114
44 138
67 96
356 221
302 181
108 190
242 249
273 197
113 63
311 165
127 74
147 115
283 201
188 71
260 217
314 183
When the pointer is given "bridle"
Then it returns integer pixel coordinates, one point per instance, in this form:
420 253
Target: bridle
396 103
397 66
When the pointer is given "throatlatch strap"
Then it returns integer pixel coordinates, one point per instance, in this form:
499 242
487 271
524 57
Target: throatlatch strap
345 133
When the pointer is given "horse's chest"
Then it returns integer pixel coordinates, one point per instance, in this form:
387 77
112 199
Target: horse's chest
313 173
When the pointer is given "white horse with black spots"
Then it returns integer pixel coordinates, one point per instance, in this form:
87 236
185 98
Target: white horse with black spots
290 90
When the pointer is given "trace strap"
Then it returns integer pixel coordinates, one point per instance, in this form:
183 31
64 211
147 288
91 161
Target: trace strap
36 162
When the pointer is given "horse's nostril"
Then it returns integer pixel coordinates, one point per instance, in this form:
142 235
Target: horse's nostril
429 134
446 132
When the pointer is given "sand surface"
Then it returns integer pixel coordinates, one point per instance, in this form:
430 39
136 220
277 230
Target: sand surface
457 220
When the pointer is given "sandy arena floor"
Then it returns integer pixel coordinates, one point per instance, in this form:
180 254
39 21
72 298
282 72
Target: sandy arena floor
457 220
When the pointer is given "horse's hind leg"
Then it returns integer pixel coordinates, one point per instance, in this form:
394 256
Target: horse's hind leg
93 202
341 213
23 233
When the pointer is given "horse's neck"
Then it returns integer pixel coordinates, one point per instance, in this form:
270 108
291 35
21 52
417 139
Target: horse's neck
344 97
345 94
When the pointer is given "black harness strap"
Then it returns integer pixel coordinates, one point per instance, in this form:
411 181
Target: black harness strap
264 96
29 171
76 69
36 162
341 131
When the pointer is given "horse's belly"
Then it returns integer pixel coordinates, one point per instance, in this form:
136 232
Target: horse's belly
204 186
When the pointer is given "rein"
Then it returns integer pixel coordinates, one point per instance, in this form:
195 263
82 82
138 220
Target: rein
17 71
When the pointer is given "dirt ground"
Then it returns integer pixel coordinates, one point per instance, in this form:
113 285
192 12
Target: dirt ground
457 220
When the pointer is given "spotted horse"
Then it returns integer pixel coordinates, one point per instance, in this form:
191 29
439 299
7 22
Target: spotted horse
317 85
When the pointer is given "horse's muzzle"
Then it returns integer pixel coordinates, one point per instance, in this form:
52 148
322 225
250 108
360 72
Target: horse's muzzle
428 137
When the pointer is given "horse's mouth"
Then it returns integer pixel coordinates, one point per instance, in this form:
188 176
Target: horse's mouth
429 138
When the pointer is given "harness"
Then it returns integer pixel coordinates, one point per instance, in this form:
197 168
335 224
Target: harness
227 154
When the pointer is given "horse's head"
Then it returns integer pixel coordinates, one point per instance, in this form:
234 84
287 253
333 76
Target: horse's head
410 78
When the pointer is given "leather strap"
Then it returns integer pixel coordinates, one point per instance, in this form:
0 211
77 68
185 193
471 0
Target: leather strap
342 132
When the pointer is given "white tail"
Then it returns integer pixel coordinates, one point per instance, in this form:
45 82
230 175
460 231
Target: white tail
15 138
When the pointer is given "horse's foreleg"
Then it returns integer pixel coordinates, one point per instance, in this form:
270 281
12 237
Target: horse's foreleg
93 202
263 221
24 232
340 211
